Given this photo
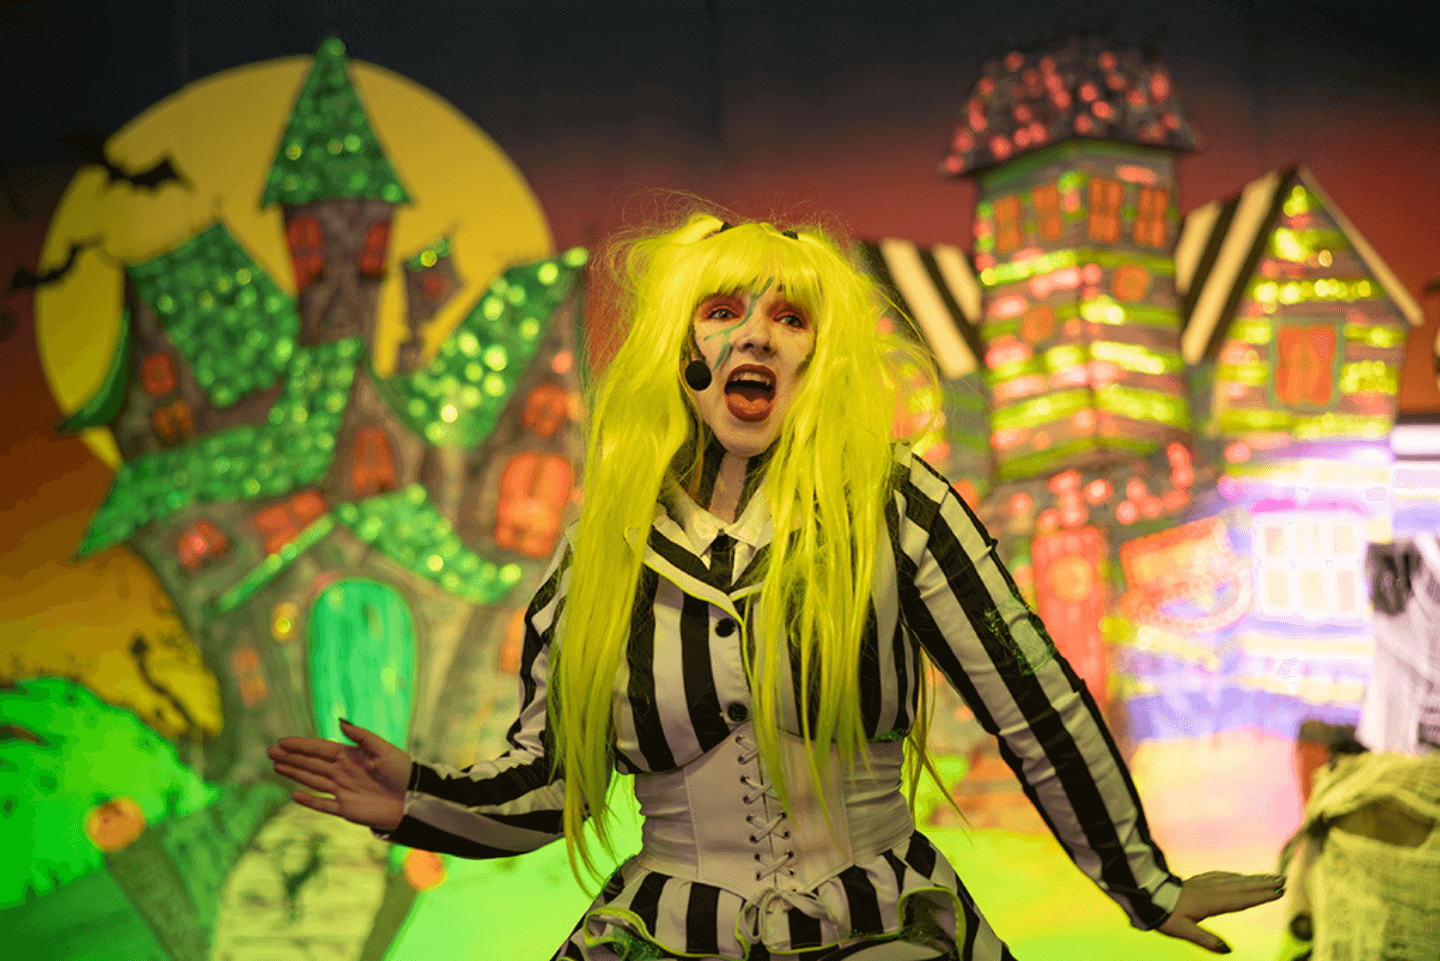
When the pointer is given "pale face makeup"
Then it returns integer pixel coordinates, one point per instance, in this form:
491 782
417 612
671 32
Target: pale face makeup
757 346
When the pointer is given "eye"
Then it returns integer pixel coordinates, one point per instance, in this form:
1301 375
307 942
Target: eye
718 312
792 319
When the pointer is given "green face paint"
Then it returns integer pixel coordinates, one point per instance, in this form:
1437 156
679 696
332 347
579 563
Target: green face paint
727 331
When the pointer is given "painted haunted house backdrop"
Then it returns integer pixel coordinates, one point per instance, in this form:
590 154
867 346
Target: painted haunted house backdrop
340 543
1188 424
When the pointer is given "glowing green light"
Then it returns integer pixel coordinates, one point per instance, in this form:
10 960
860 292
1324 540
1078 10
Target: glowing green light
492 307
1064 357
1140 404
1036 411
1134 357
496 357
547 273
1251 375
494 385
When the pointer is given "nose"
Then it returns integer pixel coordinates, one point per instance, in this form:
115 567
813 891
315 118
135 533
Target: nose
754 334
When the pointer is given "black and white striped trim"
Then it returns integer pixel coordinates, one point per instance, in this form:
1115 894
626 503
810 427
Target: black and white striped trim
938 290
1220 247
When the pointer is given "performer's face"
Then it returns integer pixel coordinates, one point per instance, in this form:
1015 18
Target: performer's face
757 333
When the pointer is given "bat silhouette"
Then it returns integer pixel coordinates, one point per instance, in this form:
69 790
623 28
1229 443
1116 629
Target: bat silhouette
157 176
25 279
92 148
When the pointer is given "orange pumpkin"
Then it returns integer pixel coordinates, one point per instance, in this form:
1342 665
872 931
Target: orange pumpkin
424 869
115 824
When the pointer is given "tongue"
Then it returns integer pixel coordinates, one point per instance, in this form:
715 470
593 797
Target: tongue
749 402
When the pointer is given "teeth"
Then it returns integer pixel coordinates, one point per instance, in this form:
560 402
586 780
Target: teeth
752 377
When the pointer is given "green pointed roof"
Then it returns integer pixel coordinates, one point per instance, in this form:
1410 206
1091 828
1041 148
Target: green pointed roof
456 400
233 325
329 149
294 447
404 526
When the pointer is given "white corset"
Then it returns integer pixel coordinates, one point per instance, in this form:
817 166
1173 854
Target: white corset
718 820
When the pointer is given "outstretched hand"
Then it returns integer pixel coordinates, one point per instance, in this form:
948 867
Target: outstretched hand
365 782
1218 892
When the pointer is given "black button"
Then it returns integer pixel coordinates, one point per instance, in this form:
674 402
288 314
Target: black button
737 712
725 628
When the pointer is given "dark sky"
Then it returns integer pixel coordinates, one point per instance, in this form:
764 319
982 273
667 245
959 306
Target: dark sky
683 74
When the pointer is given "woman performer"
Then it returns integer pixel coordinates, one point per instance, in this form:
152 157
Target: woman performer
751 541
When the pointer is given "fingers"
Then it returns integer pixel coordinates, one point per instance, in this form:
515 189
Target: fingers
1217 892
301 776
326 805
1190 931
313 746
357 734
315 764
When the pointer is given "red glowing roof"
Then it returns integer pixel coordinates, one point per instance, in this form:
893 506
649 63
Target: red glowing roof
1077 89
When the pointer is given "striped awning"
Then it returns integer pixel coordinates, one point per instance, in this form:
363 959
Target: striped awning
1220 247
938 290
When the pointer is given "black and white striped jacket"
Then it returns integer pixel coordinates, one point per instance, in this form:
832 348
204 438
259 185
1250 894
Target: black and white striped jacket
938 586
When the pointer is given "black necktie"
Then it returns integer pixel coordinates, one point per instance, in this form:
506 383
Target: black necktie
722 562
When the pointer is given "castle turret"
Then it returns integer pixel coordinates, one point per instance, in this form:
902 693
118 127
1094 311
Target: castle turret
339 192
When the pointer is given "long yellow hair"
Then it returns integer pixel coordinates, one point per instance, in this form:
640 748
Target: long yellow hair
827 481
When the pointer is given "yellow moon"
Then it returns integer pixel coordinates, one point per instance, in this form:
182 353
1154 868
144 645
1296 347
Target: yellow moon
221 135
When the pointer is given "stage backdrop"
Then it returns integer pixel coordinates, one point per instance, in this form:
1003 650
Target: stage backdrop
298 429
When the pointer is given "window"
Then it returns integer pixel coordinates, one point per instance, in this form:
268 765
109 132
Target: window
533 493
1007 224
157 373
372 253
173 422
199 544
281 523
1305 365
307 249
1048 222
249 676
1150 217
1308 565
546 409
1103 222
372 468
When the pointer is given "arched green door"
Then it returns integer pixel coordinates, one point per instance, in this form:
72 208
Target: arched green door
362 659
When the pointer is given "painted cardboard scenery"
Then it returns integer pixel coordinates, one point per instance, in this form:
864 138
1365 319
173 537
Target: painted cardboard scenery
346 466
335 363
1188 423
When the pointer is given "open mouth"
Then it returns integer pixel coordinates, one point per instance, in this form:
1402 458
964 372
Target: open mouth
750 392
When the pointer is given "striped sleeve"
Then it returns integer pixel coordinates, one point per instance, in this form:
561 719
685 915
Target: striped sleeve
514 803
964 609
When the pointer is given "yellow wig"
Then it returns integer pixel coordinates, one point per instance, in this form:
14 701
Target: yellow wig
828 480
